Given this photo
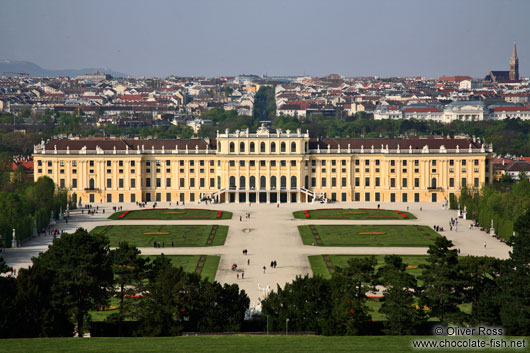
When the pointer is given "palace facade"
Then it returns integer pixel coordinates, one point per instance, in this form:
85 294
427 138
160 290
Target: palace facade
266 167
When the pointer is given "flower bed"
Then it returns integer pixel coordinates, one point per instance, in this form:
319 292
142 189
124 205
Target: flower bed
195 217
307 215
382 217
401 214
219 214
124 214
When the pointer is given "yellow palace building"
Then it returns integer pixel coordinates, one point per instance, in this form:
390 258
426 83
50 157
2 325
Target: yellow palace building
265 167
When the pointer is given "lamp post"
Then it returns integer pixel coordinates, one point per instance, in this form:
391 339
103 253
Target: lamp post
286 327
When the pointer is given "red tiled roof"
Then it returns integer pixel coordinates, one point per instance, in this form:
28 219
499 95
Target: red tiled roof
511 109
422 110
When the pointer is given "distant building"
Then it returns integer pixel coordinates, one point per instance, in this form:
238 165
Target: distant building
470 84
94 77
503 76
464 111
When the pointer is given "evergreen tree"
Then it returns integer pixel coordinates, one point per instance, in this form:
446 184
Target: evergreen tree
83 274
442 291
399 297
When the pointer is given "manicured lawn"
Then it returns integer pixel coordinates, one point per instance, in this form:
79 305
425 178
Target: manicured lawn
171 214
180 235
353 214
239 343
189 264
367 235
318 265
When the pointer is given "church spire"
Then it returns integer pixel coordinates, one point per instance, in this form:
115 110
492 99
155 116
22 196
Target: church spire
514 64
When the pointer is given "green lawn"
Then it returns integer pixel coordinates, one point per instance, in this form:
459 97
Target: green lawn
353 214
318 265
189 264
239 343
368 235
180 235
171 214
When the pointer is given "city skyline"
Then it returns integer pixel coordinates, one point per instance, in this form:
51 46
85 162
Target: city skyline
277 38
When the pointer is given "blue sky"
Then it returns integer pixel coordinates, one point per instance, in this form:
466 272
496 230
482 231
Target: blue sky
274 37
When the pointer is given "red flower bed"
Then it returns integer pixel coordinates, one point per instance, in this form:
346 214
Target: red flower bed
401 214
124 214
219 213
382 217
325 209
307 215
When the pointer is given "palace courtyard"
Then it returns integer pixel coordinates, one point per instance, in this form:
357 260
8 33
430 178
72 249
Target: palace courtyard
271 233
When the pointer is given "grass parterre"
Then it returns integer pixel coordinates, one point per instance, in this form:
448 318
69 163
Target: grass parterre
166 235
353 214
367 235
323 265
171 214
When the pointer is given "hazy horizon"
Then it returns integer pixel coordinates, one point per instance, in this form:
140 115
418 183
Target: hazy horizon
276 38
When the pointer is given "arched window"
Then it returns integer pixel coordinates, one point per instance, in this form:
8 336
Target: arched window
273 182
91 184
232 147
273 147
262 182
283 182
282 148
262 147
252 147
433 183
293 146
242 182
252 182
232 182
293 182
306 182
241 147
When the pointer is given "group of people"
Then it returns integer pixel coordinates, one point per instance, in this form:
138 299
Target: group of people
157 244
438 229
247 216
115 208
453 223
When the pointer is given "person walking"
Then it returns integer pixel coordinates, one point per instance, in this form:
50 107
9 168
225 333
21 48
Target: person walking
237 276
485 244
248 262
264 268
243 275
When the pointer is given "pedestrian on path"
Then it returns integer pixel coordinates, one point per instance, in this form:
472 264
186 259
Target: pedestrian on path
237 276
484 244
248 262
240 218
264 268
243 275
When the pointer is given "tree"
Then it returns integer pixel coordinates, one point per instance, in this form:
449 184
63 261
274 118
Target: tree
515 281
164 304
306 302
83 273
129 271
349 287
443 286
399 297
9 315
41 315
481 275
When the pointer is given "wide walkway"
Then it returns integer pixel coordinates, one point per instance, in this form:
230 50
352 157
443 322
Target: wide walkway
271 234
